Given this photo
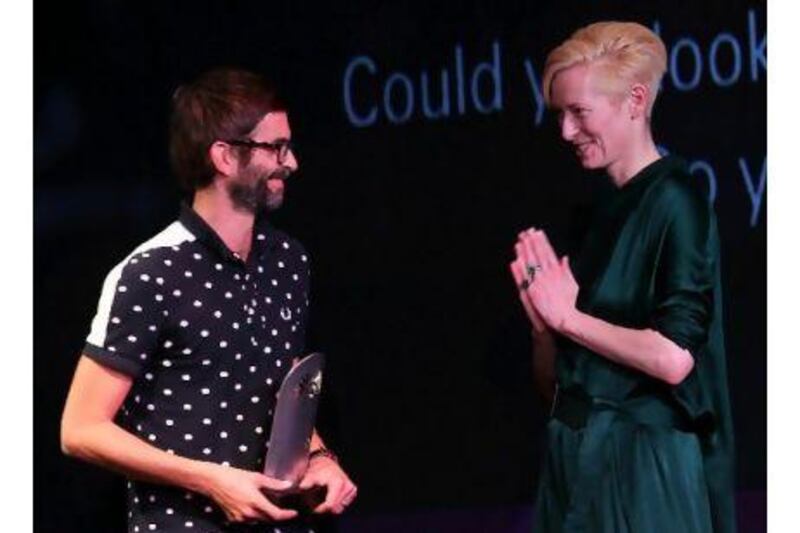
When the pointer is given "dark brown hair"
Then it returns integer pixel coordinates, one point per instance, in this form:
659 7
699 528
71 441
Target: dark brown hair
222 104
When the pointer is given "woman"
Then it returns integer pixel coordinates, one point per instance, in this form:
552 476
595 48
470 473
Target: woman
631 345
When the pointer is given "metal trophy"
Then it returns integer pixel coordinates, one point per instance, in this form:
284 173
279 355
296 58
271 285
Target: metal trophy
292 427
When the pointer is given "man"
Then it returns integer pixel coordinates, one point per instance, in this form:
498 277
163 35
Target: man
197 327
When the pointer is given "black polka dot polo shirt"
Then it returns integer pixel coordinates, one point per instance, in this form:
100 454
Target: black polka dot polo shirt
208 339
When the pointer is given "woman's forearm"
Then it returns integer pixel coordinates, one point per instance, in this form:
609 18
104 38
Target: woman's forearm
645 350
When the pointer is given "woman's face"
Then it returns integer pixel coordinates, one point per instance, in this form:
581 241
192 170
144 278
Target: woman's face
596 124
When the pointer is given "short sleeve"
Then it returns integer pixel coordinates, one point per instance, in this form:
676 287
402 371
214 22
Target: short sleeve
684 276
125 329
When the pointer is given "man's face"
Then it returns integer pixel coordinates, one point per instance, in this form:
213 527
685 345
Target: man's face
260 182
594 122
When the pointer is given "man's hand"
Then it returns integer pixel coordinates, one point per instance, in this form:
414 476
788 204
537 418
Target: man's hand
238 494
325 472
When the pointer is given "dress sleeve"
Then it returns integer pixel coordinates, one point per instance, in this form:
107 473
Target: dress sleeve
684 275
125 329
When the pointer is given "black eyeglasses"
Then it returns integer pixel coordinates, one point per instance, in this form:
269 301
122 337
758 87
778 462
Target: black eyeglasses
281 147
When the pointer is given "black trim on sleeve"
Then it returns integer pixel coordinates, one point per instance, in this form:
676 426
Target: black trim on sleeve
112 360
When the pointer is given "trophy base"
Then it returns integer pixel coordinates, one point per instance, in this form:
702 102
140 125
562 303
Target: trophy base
302 501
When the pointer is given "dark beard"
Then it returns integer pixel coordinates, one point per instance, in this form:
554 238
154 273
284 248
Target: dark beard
250 192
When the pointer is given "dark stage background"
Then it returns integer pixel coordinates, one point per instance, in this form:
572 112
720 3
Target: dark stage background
408 198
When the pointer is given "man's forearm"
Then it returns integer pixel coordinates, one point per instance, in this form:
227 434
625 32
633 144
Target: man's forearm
108 445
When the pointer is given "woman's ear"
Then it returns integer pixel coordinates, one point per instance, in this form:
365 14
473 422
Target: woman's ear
638 97
222 157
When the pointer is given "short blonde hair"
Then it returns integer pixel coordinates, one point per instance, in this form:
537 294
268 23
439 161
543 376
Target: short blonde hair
624 53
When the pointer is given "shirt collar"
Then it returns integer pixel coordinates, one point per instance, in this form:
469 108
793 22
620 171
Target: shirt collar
264 235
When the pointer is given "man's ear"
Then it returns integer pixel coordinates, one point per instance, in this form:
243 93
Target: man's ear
223 158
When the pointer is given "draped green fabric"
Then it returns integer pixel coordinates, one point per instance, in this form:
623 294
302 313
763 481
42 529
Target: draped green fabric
650 259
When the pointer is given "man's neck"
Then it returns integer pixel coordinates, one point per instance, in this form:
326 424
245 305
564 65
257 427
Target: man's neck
234 226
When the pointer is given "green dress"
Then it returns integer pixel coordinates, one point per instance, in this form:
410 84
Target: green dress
639 455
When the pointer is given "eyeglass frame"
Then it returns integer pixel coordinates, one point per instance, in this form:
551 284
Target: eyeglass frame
282 145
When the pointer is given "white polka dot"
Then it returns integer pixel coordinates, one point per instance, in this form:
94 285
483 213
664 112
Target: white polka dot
267 349
205 391
223 344
235 325
204 333
206 451
188 273
242 448
188 436
268 300
259 430
151 407
295 277
187 351
159 297
122 288
288 346
285 245
167 363
167 344
223 405
167 392
274 282
218 314
132 338
187 407
223 374
238 386
144 277
269 381
255 399
151 527
223 434
207 421
260 237
148 376
277 362
197 256
151 437
260 270
198 303
176 292
112 349
252 369
228 295
160 280
169 422
143 356
274 332
169 510
186 377
288 295
303 258
218 266
115 320
206 362
137 308
239 418
167 262
238 357
208 509
184 323
188 523
208 285
152 499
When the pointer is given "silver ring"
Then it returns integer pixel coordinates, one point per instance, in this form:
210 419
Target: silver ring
531 270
